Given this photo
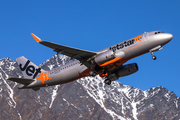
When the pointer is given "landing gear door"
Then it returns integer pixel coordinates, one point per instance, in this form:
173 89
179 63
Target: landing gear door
146 36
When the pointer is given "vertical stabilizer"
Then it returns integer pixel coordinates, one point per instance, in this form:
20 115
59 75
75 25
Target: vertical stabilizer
28 69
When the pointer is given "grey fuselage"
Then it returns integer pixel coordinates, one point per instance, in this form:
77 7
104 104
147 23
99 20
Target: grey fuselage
147 42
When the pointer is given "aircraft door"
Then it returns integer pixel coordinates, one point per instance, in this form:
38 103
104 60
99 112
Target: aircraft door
146 36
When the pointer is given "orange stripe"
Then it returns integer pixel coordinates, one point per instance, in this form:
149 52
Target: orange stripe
110 62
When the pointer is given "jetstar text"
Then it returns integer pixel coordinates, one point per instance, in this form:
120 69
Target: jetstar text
122 45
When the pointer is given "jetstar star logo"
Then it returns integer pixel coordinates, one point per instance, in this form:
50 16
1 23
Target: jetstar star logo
43 77
126 43
138 38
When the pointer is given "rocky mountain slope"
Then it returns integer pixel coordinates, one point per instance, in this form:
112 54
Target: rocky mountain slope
86 98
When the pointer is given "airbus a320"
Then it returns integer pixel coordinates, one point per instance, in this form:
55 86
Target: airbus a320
107 63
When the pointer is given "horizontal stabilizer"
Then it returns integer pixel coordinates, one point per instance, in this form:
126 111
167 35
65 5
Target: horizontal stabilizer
22 80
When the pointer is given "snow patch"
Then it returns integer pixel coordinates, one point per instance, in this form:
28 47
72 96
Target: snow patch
122 106
167 96
10 91
176 103
51 67
134 110
39 99
154 92
11 67
19 115
145 94
80 116
1 63
66 101
54 95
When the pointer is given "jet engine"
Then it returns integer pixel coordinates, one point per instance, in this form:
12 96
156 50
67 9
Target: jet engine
103 57
128 69
107 56
124 71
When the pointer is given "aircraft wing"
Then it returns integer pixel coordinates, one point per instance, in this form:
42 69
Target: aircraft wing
81 55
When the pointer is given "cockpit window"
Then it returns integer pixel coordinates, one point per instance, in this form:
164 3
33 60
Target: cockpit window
158 32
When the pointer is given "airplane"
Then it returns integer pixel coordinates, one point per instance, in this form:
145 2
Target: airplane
107 63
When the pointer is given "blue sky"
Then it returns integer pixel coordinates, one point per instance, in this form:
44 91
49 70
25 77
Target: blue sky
94 25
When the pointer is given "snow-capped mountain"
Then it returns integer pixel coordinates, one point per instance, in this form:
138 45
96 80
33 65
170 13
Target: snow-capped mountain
86 98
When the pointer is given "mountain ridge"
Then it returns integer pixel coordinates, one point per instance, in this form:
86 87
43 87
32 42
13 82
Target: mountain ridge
86 98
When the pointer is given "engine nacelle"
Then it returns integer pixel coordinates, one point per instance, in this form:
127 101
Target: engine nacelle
104 57
127 70
119 54
124 71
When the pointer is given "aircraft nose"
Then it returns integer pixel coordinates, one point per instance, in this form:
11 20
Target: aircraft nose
166 37
169 36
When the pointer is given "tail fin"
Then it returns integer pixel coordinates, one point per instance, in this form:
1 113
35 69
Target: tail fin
28 69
